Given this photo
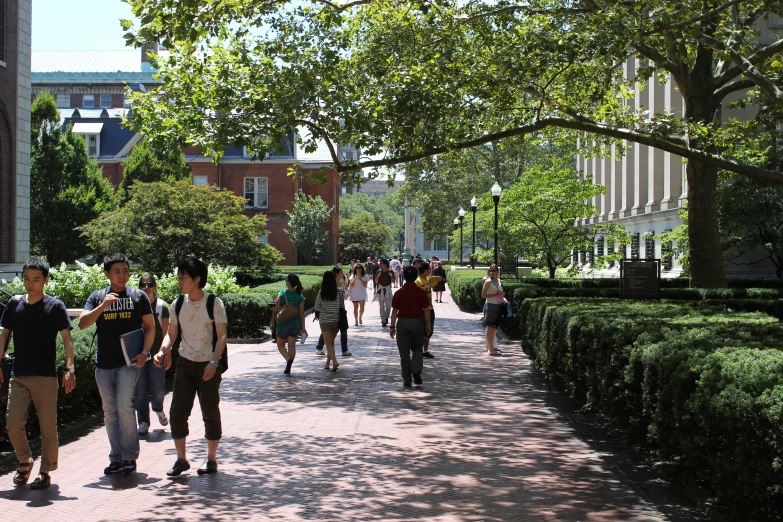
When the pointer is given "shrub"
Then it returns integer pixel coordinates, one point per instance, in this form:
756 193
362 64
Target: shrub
700 384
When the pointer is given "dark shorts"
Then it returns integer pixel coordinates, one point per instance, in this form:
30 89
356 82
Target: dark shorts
494 316
432 322
292 330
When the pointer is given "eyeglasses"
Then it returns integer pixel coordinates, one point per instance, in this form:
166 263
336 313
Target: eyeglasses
147 285
182 277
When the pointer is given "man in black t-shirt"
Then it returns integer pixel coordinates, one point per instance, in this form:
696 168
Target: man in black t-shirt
34 320
118 310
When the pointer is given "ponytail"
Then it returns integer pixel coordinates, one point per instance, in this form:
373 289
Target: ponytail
295 282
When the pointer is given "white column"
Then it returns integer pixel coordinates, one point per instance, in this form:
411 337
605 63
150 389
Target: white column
23 90
627 165
672 164
615 181
655 157
600 199
640 157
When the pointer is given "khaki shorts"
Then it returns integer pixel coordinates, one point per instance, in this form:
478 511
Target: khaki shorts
330 327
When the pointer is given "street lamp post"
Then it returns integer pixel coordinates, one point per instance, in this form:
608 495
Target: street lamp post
461 218
473 208
496 191
456 226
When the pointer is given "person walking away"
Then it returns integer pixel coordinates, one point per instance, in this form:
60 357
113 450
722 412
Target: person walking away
151 384
383 289
341 287
358 291
115 311
408 305
370 267
439 287
288 331
200 321
328 304
396 267
34 320
426 282
492 291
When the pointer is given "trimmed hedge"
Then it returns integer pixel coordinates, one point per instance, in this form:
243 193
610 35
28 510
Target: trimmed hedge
84 400
248 314
702 385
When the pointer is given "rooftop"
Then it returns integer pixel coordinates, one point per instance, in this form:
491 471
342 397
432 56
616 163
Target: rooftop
90 66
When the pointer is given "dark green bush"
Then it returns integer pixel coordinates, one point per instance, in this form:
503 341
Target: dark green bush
699 383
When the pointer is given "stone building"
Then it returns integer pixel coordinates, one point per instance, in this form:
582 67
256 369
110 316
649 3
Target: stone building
15 24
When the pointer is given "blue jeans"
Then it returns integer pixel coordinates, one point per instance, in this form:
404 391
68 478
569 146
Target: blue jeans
117 388
150 388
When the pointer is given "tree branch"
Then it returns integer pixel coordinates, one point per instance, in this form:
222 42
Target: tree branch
659 59
736 85
754 59
751 172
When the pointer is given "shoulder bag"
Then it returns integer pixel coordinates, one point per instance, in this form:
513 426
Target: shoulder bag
287 312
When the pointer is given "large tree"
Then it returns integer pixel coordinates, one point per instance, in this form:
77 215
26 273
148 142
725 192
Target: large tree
411 79
384 209
163 222
362 237
67 187
146 164
306 227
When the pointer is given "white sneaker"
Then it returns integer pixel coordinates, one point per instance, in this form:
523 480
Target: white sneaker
319 352
162 418
347 353
143 428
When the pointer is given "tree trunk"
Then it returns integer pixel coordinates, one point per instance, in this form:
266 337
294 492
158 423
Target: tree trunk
703 235
552 271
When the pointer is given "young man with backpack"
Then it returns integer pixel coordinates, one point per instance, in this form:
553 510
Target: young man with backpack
200 321
117 310
34 319
383 288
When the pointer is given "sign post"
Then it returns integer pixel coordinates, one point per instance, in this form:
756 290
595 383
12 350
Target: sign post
640 278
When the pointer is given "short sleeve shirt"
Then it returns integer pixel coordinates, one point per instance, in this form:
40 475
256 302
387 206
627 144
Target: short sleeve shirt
196 327
290 297
122 317
410 301
35 328
164 314
424 284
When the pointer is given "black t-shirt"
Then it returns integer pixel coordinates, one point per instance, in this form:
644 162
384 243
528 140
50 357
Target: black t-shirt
35 328
122 317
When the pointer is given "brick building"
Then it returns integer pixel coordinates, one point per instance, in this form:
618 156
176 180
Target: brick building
89 87
15 21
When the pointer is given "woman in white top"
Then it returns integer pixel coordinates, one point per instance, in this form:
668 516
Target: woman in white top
358 290
492 291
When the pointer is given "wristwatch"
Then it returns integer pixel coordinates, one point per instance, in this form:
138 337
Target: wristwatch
70 369
148 355
213 363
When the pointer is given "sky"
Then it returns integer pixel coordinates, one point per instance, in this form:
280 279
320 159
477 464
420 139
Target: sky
78 25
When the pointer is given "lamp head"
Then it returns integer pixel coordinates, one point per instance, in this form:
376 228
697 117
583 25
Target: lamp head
456 222
461 212
496 190
473 204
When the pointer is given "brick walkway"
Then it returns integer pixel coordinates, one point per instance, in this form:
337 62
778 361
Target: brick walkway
480 440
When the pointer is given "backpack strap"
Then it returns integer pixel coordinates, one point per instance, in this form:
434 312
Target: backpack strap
159 309
211 314
178 306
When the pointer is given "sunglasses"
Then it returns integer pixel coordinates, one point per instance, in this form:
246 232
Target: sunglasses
147 285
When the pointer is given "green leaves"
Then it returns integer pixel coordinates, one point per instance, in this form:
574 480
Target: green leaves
306 227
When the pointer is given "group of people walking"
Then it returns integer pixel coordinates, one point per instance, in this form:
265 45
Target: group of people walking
130 385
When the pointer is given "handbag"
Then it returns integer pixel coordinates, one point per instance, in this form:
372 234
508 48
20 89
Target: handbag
343 317
287 312
508 309
5 366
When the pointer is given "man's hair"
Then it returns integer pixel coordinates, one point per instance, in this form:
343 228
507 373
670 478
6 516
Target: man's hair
337 269
36 263
395 257
112 259
410 274
423 267
194 267
384 261
329 286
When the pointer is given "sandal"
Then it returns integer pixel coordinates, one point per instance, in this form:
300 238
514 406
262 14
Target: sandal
43 481
22 476
335 367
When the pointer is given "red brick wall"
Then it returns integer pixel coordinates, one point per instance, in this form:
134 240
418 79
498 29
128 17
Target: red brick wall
76 100
113 172
117 100
8 86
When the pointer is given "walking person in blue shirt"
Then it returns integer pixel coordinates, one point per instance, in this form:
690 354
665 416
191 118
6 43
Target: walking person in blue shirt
34 320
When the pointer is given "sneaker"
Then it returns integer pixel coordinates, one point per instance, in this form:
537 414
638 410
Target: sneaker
319 352
162 418
384 325
144 427
417 378
113 468
128 467
346 353
427 355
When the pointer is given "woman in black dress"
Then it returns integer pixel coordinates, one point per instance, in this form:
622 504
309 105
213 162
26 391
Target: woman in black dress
439 271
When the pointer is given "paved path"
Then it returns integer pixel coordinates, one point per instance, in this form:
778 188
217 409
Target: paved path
479 440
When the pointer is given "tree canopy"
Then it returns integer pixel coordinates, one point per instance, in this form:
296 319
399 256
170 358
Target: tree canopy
163 222
67 187
305 227
146 164
412 79
385 209
361 238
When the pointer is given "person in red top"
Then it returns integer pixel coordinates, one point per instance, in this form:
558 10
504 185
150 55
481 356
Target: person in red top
408 304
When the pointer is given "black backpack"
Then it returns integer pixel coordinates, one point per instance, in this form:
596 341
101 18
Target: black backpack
211 312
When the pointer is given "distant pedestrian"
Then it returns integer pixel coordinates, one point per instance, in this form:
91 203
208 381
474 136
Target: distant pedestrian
200 320
383 290
396 267
408 305
358 291
34 320
328 304
291 324
492 291
340 278
440 286
425 281
151 384
370 267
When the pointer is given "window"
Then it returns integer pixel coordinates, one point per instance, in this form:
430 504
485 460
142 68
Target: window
91 140
106 101
775 21
256 193
88 101
200 180
343 190
600 246
264 239
63 100
667 259
649 245
439 245
635 246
